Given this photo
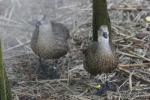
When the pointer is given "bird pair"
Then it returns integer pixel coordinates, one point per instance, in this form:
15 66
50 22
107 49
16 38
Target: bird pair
49 41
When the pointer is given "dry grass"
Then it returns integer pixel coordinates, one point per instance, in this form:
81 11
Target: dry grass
130 37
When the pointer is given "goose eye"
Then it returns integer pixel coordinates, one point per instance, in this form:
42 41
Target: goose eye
105 35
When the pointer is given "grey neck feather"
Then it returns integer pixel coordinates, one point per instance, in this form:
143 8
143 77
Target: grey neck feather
104 45
35 34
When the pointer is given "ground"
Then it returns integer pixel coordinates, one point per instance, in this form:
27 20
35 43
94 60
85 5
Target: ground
131 39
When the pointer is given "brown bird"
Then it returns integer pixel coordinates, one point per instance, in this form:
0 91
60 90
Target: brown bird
99 57
49 40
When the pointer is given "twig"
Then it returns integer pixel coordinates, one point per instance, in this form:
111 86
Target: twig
122 85
142 97
134 65
135 75
144 72
43 81
80 67
140 56
130 81
72 92
11 57
17 46
78 97
127 54
128 9
9 20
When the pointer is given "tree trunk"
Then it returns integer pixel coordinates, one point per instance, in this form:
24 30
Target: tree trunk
100 17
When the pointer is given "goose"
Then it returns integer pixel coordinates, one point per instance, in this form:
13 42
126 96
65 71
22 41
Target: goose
49 41
98 56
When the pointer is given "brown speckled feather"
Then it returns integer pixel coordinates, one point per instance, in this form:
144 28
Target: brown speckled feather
97 61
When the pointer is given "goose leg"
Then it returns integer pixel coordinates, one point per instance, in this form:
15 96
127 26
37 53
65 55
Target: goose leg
54 71
42 70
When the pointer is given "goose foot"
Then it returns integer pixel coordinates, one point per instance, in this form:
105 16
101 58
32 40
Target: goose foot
42 71
54 73
46 72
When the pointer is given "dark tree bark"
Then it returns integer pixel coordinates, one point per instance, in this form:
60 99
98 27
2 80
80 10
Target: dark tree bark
100 17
